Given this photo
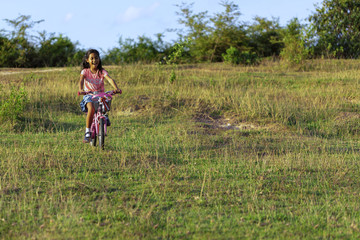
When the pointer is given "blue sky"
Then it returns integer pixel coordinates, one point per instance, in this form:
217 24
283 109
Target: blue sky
99 24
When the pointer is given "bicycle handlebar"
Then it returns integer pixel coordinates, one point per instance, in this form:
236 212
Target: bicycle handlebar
108 92
83 93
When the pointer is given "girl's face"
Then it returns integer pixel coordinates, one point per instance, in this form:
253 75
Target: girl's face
93 60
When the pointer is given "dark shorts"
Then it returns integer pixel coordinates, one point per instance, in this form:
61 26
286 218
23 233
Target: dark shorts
86 99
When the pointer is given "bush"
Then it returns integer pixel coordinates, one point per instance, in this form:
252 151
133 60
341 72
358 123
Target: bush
12 106
234 56
294 52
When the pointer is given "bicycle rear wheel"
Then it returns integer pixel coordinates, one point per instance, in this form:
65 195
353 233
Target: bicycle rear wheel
101 134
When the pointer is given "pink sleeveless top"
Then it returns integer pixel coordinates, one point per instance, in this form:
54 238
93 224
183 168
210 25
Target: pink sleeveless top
94 81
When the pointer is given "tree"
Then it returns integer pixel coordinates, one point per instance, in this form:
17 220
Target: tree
266 38
227 31
196 30
144 49
336 28
56 51
19 51
210 37
295 50
8 53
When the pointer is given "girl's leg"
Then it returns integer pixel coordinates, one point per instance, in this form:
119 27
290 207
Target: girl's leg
90 114
89 119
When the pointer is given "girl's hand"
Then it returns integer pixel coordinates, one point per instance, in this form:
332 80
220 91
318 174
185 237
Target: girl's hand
118 91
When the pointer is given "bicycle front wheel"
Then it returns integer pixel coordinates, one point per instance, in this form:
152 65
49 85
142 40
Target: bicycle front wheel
93 139
101 134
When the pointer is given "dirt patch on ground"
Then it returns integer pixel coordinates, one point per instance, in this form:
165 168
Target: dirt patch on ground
11 71
227 123
346 116
204 121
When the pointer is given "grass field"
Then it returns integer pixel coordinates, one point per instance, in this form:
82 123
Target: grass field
223 152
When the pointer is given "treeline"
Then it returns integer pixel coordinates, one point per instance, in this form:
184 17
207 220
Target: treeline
20 49
332 31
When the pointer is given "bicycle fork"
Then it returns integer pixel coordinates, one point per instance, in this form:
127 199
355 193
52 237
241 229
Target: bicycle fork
97 118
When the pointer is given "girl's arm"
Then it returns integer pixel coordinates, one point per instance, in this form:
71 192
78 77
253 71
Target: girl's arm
113 83
81 83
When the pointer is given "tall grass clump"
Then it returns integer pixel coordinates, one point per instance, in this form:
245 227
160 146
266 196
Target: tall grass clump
13 104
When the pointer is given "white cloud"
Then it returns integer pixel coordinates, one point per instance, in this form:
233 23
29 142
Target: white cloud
68 17
133 13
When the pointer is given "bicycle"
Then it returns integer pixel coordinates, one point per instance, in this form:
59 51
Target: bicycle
102 104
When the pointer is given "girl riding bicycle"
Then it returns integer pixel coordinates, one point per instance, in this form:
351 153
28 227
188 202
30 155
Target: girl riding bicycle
92 79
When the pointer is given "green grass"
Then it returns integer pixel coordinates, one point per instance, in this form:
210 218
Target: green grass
221 153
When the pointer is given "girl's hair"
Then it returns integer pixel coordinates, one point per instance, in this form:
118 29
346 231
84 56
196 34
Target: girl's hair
85 64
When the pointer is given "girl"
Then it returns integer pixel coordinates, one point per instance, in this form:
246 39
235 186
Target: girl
92 79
